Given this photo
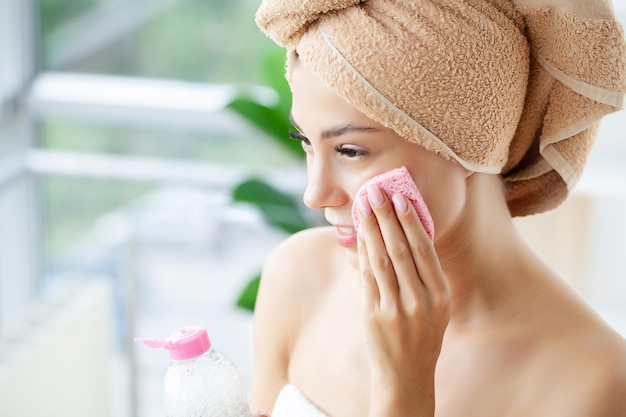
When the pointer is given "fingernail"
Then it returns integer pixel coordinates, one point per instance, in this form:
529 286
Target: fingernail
364 206
399 203
375 195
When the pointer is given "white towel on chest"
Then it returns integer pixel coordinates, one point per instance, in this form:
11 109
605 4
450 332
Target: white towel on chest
291 402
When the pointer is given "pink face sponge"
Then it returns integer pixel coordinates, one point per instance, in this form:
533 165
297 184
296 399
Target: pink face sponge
397 181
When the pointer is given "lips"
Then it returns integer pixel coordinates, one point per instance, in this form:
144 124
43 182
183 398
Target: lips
346 236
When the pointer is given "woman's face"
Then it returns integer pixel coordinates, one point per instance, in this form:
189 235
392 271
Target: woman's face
345 148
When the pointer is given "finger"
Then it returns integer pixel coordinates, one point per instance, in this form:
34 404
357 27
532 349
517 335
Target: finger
377 255
422 248
397 246
371 293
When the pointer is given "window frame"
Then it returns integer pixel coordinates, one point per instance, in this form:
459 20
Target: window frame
20 215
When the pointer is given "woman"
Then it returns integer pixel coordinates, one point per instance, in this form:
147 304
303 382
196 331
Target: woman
492 116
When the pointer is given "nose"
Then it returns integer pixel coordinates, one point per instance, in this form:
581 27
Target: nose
323 187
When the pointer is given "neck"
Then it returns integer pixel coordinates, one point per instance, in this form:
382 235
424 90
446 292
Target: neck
483 256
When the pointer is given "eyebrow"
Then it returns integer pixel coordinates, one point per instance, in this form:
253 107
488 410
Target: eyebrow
339 130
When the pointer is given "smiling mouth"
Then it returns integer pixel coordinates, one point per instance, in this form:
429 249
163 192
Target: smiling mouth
345 230
346 236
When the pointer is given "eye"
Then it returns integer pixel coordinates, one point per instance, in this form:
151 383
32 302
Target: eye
299 137
350 151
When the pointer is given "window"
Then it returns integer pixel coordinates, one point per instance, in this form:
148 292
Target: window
116 163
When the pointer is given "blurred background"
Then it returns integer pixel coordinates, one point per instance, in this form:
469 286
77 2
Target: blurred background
143 181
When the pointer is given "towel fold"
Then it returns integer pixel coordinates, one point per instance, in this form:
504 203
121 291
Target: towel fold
513 87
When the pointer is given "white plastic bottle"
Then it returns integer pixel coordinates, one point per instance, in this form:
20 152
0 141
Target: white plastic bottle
200 381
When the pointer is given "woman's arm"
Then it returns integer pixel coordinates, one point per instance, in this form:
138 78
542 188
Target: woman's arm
406 306
270 358
280 313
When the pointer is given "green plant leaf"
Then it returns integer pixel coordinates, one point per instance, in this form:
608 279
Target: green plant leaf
273 67
247 298
278 208
273 120
268 120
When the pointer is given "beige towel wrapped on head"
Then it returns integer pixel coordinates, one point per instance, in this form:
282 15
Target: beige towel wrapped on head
515 87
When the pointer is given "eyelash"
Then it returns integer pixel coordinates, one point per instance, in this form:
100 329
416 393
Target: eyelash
345 151
299 137
350 152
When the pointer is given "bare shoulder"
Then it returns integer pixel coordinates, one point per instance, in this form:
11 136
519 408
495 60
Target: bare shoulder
300 255
295 272
586 372
606 353
296 275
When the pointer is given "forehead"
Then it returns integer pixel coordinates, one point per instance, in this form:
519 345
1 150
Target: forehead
314 104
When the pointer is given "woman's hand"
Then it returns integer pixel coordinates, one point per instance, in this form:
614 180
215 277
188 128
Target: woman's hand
406 305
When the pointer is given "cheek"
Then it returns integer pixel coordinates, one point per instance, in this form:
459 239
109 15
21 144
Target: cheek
447 207
445 198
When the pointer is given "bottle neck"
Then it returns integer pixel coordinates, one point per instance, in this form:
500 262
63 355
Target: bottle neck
192 359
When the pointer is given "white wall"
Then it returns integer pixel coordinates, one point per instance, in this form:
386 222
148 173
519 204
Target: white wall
56 362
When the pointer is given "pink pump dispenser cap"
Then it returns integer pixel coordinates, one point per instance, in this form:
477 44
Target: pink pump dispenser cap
185 343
